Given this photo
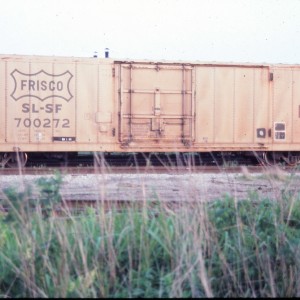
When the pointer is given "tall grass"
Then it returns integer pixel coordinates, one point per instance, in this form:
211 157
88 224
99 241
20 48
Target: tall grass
224 248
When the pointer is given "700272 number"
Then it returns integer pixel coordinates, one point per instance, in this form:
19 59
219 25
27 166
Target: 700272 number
43 123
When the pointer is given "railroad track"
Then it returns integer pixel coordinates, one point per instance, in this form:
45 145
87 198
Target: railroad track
81 170
116 188
115 183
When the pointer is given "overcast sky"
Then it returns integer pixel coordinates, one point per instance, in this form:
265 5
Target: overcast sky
205 30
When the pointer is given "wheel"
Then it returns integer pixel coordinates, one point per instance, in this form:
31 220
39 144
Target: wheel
270 158
15 159
290 159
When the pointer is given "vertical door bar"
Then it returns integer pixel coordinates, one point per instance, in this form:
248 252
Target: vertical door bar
193 105
183 103
157 102
130 102
121 129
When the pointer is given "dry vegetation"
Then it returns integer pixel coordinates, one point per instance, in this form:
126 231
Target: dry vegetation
228 247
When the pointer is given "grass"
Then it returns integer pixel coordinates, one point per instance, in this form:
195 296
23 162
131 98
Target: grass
224 248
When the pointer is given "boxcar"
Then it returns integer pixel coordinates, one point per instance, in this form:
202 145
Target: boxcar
55 104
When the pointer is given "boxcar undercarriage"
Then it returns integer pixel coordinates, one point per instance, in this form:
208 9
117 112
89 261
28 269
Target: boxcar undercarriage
21 159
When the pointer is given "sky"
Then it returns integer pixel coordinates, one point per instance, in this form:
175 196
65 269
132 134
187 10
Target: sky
254 31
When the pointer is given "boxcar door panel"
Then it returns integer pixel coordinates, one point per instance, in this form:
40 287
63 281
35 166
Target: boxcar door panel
156 104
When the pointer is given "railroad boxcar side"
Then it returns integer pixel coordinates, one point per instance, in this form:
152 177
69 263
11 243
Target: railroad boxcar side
209 107
233 107
194 107
57 104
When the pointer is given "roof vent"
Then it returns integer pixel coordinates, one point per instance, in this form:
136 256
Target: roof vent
106 53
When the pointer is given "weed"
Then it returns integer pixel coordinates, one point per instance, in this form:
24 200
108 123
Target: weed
225 248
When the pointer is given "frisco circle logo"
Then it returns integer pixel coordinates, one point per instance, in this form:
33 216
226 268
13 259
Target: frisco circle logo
41 85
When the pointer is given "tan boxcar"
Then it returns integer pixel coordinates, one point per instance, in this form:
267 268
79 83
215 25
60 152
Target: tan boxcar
90 104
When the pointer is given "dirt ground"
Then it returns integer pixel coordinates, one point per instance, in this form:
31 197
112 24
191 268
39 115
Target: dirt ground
185 186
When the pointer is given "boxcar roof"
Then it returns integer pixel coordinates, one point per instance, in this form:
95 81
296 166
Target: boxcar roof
43 58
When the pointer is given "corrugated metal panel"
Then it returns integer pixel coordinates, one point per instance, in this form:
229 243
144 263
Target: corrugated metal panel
244 105
282 104
86 94
205 104
262 106
18 120
2 102
224 105
296 107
